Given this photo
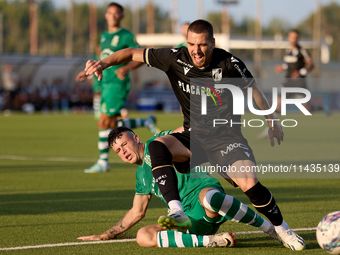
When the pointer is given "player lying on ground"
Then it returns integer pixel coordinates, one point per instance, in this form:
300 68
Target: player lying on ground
203 198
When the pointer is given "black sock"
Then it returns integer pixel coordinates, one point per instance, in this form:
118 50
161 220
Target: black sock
265 203
163 171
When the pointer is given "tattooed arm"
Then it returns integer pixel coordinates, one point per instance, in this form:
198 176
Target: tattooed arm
132 217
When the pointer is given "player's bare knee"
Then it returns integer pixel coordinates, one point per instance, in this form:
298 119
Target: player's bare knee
245 178
112 123
141 238
247 183
208 209
103 122
202 194
147 236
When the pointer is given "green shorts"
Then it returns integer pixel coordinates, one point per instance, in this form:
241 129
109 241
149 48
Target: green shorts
201 223
113 98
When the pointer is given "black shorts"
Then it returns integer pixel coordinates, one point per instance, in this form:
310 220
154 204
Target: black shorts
184 138
223 149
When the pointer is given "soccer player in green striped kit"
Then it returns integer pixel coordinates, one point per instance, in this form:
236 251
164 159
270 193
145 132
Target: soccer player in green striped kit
202 196
115 86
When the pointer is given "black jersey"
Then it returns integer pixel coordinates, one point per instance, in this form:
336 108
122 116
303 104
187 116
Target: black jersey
295 59
183 75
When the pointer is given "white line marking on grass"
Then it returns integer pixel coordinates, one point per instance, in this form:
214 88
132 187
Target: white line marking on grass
66 244
59 159
120 241
261 232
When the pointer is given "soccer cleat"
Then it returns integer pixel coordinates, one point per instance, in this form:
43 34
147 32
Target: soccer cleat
221 240
97 168
272 233
150 123
292 240
176 219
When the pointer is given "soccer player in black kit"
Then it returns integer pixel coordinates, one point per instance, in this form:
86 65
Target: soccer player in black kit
297 63
200 59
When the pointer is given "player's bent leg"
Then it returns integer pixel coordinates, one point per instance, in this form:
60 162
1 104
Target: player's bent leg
232 209
147 236
215 202
172 238
166 179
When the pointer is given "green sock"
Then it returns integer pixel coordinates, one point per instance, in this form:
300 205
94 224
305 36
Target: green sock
130 123
233 209
172 238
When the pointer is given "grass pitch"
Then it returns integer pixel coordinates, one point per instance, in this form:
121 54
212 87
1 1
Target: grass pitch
45 198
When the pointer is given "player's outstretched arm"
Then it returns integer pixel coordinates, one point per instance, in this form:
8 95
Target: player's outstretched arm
119 57
132 217
261 102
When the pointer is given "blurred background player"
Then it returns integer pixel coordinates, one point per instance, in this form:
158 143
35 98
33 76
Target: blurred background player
297 64
116 84
10 81
184 31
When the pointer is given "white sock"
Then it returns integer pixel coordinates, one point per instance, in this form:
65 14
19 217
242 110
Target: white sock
175 204
102 162
282 227
205 240
265 226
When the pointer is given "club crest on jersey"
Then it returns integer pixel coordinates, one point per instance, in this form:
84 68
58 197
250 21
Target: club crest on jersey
115 40
217 74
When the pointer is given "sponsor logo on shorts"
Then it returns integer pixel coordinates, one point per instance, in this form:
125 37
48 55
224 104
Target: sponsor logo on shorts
232 146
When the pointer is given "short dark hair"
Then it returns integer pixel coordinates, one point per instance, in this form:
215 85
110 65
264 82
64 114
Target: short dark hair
117 133
295 31
116 5
202 26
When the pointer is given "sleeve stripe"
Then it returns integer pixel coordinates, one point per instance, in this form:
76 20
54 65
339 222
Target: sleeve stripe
146 56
